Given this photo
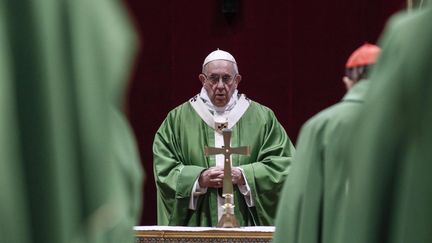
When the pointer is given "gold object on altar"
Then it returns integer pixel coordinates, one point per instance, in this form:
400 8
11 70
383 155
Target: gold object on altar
228 219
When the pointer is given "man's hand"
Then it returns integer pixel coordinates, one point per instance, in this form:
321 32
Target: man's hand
237 176
212 177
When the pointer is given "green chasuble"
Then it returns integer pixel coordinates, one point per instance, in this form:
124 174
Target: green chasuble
63 65
130 182
179 159
390 195
315 188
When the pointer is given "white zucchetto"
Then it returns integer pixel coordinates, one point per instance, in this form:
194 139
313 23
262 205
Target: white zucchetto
219 55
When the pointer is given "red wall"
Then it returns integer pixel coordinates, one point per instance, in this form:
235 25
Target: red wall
290 53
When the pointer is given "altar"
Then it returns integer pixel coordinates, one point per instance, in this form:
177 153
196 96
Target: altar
174 234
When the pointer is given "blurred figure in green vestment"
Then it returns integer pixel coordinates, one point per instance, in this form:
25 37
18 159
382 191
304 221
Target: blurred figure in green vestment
315 189
390 193
69 170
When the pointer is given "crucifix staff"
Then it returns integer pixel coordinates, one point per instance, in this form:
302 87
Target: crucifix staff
228 219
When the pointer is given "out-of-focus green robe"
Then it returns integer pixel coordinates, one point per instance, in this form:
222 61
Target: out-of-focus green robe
314 190
179 159
390 196
63 65
129 186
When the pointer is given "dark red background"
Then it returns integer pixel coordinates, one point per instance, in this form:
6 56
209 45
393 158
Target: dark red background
291 54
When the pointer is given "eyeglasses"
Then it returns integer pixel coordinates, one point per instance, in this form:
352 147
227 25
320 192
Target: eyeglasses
214 78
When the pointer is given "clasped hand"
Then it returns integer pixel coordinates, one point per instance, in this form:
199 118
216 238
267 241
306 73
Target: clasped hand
213 177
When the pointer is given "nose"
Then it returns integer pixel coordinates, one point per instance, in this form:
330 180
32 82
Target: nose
220 83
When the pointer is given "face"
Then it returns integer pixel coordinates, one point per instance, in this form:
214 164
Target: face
220 81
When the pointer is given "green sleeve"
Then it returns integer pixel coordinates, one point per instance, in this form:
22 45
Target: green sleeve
267 174
174 179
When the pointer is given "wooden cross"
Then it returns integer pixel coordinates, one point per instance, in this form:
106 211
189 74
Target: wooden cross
228 219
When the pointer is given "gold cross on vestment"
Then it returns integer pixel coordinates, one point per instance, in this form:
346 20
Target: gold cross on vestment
228 219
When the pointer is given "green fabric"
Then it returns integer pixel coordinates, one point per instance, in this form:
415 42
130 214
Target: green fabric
390 193
179 159
62 67
130 173
314 190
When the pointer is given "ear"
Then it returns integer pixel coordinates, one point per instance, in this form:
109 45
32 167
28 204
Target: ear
238 78
202 78
348 82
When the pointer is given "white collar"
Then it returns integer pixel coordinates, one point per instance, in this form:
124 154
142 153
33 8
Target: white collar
231 104
212 118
